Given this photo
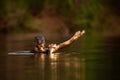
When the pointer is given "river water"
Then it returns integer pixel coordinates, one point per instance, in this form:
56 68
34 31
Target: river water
92 57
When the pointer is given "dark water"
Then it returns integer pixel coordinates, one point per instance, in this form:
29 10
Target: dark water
89 58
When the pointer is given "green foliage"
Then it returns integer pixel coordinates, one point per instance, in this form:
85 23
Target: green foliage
70 2
78 13
88 13
2 8
35 6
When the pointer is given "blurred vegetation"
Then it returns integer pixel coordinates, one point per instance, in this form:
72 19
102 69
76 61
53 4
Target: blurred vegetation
24 15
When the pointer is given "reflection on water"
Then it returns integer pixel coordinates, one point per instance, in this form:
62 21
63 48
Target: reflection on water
94 60
55 67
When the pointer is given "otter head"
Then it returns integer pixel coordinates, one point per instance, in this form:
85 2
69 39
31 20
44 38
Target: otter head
40 39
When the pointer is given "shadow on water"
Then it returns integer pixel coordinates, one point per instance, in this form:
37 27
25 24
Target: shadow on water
2 56
113 48
91 58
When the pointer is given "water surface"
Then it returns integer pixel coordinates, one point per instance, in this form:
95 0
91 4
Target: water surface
89 58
